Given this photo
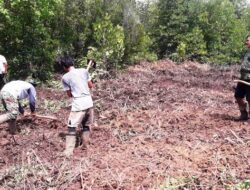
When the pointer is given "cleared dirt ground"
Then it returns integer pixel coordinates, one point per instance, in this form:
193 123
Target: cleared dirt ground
158 125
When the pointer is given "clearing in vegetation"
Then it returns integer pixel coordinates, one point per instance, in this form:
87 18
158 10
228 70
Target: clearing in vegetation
158 126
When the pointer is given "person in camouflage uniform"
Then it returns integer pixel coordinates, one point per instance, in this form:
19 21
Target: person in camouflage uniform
243 90
10 95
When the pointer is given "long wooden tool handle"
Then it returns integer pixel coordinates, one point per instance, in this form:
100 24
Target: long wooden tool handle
46 117
243 82
89 65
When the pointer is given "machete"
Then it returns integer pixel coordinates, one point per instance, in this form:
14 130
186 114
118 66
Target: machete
243 82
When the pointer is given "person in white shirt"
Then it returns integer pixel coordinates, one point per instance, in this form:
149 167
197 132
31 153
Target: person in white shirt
77 84
3 70
11 94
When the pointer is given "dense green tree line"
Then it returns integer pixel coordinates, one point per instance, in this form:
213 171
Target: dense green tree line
33 33
209 31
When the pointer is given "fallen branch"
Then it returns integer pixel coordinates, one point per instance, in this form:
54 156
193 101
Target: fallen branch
13 137
237 137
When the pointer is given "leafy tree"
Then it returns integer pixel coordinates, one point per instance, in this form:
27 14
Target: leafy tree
110 43
246 18
171 24
212 25
224 32
192 46
26 40
137 41
239 6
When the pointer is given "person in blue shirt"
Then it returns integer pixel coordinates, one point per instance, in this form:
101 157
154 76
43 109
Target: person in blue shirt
10 95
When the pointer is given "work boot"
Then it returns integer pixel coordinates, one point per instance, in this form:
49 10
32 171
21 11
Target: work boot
243 116
79 139
243 111
70 144
85 136
12 126
4 118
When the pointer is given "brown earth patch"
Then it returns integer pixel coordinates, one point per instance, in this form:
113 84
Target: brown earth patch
157 121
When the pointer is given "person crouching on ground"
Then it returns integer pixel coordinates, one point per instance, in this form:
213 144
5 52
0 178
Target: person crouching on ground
11 94
77 84
243 90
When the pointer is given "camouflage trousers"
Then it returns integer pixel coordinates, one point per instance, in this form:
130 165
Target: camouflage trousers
11 105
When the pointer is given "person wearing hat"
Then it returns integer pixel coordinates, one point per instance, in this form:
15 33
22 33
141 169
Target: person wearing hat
3 70
11 94
77 84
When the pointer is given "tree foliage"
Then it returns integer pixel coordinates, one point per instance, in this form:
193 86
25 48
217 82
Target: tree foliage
210 31
25 36
119 32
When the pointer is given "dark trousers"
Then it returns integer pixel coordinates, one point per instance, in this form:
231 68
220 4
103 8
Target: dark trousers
242 91
2 80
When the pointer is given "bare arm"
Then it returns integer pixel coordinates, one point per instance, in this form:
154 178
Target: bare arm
6 67
90 84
